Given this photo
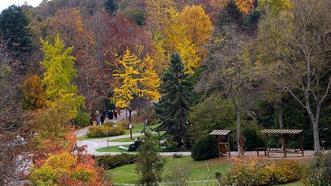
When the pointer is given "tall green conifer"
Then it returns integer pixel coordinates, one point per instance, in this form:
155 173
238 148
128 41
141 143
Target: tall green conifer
14 28
172 109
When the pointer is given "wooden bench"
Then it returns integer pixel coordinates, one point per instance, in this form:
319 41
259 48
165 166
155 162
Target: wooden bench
261 149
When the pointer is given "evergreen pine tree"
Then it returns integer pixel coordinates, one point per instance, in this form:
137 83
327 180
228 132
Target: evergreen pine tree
14 28
172 109
111 6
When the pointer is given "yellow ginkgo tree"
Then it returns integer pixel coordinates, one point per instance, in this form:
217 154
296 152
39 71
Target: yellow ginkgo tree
127 78
150 81
135 78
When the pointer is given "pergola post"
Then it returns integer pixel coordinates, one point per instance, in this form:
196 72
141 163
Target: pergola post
301 140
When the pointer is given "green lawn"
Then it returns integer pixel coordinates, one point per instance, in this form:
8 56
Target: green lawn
195 170
111 149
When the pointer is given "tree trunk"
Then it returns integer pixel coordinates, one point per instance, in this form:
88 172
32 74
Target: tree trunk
317 146
240 152
280 117
315 122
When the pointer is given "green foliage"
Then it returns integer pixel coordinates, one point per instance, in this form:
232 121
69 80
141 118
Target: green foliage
205 148
234 12
212 113
149 163
60 71
105 130
319 171
111 6
262 172
14 28
172 109
253 138
82 119
137 15
113 161
251 20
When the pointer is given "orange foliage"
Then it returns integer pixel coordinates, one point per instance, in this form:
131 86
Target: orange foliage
33 93
245 6
66 169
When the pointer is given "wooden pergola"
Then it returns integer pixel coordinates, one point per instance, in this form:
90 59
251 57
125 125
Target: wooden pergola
223 141
284 135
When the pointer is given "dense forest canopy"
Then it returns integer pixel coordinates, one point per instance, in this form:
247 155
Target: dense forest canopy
201 64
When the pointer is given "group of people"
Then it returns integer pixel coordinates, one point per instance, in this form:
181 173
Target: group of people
104 117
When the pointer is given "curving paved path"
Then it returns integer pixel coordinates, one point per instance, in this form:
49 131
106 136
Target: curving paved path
96 143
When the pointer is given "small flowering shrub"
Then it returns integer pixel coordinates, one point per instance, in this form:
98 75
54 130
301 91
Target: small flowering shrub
105 130
261 172
319 171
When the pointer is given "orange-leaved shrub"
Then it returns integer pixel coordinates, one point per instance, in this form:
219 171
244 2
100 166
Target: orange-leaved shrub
261 172
67 169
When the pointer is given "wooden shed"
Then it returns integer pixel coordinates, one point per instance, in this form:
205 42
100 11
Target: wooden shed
223 141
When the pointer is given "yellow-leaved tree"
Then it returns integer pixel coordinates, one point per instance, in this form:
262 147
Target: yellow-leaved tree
187 36
58 64
150 81
127 78
158 12
200 28
135 78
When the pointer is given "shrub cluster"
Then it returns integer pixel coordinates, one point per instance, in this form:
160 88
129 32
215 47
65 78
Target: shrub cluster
82 119
105 130
110 162
205 148
319 171
262 172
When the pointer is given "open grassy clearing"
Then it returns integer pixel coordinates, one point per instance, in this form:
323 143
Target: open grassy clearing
195 170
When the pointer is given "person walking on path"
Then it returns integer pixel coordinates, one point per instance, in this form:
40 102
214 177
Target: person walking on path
115 114
110 114
98 119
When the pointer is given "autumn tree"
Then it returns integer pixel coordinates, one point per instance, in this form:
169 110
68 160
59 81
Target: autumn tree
199 30
69 24
176 98
33 93
150 80
14 28
65 168
128 77
300 44
185 36
60 71
159 13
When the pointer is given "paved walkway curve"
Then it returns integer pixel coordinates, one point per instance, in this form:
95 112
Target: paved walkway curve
96 143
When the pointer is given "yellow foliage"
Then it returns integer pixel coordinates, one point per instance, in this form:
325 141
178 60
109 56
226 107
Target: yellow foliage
187 36
135 78
128 79
150 80
198 23
159 54
158 12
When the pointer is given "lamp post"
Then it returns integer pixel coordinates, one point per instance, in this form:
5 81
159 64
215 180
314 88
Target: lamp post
130 127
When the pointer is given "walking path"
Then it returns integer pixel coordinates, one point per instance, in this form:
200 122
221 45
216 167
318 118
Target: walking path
124 115
95 143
